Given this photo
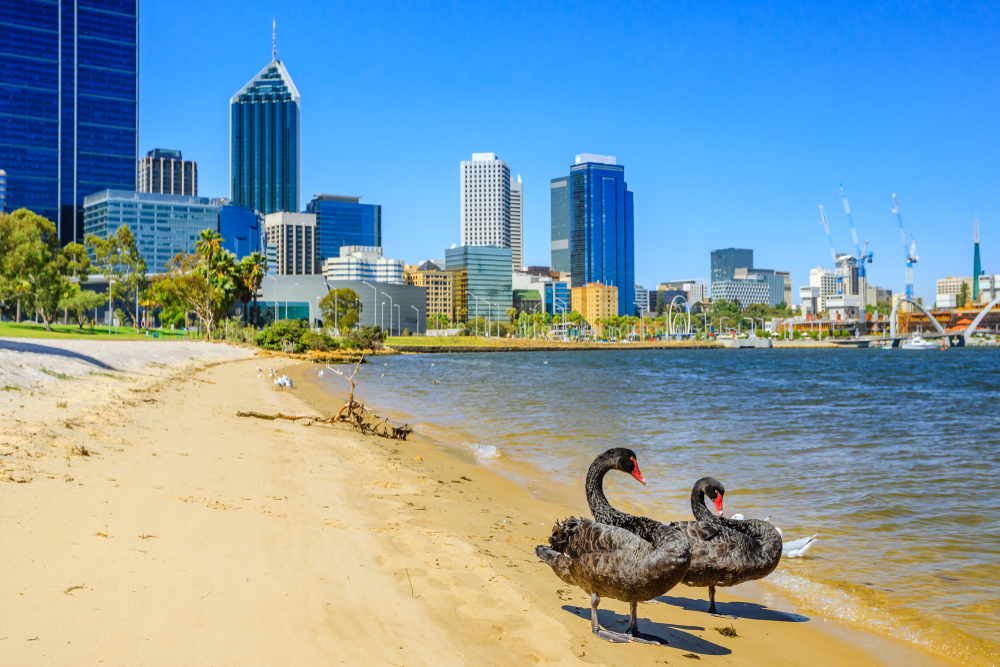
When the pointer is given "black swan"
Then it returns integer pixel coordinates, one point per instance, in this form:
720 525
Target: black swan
611 561
737 551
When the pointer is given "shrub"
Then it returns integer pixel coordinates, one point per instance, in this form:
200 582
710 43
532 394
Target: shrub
369 338
294 335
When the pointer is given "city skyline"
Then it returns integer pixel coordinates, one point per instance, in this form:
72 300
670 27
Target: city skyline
723 161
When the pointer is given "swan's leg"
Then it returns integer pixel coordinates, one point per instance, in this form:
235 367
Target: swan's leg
642 638
596 628
711 600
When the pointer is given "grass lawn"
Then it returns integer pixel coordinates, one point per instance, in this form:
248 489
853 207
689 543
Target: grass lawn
443 341
70 331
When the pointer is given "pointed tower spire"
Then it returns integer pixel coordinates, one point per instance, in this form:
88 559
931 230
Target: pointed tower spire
274 40
977 267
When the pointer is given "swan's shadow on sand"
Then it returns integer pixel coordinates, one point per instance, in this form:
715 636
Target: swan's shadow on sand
749 610
674 634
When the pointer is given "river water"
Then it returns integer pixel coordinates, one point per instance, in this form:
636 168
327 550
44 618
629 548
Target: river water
892 456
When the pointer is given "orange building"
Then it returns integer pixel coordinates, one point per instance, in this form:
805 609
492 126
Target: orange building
596 302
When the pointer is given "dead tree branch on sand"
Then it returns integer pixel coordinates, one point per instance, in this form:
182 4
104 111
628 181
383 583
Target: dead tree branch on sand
362 418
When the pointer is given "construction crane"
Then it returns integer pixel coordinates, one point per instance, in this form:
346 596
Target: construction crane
838 274
909 251
864 257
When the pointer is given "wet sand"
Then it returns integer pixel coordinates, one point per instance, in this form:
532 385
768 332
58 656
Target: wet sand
188 535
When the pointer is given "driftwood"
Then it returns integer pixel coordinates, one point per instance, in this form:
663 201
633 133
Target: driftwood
362 418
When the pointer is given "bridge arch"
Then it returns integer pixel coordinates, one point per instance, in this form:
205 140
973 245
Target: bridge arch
979 318
894 333
670 315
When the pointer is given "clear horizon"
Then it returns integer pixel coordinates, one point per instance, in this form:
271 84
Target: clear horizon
733 123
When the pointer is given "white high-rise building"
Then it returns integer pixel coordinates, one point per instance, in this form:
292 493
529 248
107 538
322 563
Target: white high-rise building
826 281
485 202
517 223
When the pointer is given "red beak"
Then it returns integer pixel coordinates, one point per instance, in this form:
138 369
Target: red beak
636 473
718 504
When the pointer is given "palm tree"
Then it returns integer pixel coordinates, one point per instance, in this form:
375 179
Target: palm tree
209 241
253 278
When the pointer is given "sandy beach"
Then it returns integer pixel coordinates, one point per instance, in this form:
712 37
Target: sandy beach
145 523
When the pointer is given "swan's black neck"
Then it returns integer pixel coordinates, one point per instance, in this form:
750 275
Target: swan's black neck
603 511
701 513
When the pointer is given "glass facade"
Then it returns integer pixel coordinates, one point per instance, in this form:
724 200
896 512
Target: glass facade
68 104
164 225
240 228
345 221
486 279
557 297
602 245
726 261
560 223
264 145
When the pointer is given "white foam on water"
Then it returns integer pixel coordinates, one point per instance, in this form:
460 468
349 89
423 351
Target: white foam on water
483 453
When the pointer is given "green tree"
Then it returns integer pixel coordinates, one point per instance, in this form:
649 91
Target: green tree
341 307
31 262
437 321
79 302
511 314
118 259
208 244
185 286
963 295
254 268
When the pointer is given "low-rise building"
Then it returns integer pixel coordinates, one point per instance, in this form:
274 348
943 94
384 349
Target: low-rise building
596 302
164 225
439 285
810 297
752 289
361 263
844 307
295 244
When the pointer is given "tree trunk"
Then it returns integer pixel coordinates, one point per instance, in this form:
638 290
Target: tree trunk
17 318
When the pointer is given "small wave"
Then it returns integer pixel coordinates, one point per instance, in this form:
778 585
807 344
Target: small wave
483 453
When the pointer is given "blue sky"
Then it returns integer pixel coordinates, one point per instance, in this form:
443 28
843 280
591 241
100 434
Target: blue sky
733 122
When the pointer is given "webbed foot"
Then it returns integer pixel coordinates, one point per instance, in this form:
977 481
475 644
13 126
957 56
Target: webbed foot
614 637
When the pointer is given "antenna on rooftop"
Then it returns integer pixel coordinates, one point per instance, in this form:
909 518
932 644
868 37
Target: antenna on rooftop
274 40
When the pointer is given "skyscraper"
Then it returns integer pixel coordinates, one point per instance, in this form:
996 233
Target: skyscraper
69 100
602 244
726 261
485 201
344 221
165 171
264 148
517 223
976 267
559 202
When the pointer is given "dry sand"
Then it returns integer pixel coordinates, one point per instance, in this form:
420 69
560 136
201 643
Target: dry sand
191 536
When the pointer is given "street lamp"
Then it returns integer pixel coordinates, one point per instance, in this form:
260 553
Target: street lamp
720 324
418 317
390 313
399 318
478 299
111 304
375 309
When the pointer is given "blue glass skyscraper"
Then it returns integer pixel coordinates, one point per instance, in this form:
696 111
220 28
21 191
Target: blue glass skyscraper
602 243
240 228
264 149
69 98
344 221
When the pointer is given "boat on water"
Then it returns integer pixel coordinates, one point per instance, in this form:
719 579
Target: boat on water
918 342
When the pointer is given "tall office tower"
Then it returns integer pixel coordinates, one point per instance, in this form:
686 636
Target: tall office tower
344 221
69 102
294 238
602 244
560 223
264 147
517 223
165 171
485 201
726 261
976 267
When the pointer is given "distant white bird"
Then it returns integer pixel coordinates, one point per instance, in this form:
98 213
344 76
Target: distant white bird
383 374
259 375
272 371
432 365
321 373
545 362
283 381
258 370
789 549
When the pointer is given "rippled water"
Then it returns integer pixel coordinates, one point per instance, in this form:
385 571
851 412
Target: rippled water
892 456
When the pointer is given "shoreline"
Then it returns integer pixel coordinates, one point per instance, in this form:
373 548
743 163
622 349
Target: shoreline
271 542
890 651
